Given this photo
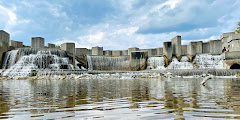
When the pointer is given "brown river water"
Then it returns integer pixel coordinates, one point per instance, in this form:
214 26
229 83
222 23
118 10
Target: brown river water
130 99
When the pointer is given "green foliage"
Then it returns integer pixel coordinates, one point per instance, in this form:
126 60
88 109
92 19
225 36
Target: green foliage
238 28
58 47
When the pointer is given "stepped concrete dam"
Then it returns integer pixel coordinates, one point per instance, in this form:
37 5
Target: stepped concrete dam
218 57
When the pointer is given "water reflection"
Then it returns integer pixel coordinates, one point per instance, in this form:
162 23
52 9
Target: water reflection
177 98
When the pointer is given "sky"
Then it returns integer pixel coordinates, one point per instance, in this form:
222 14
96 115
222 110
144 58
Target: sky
118 24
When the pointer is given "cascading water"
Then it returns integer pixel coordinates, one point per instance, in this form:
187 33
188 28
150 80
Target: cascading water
184 59
108 63
156 63
9 59
29 59
206 61
184 64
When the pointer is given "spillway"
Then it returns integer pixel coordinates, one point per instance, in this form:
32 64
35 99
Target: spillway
207 61
21 62
108 63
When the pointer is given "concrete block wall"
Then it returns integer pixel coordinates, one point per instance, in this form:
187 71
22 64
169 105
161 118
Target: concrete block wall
13 43
132 49
167 50
224 38
4 44
124 52
184 49
138 60
233 37
159 51
215 47
206 47
81 51
19 44
151 52
49 45
89 52
68 47
108 53
194 48
16 44
234 46
234 42
97 50
116 53
37 42
177 46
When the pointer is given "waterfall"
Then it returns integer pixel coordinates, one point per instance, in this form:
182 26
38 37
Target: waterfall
10 59
156 63
206 61
29 59
89 60
108 63
175 64
184 59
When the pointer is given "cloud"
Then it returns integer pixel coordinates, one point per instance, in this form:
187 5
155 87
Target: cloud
118 24
92 39
184 16
67 29
11 16
118 38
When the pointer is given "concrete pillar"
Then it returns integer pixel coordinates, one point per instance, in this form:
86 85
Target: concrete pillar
70 48
177 46
116 53
154 52
159 51
167 50
89 52
37 42
206 47
4 44
97 50
234 42
184 49
49 45
19 44
138 60
16 44
224 39
194 48
151 52
124 52
132 49
108 53
215 47
81 51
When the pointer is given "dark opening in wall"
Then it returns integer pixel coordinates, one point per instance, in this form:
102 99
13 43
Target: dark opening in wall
235 66
64 67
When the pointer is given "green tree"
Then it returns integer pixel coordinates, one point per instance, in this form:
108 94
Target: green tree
58 46
238 28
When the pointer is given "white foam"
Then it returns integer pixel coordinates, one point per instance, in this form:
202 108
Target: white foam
206 61
156 63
